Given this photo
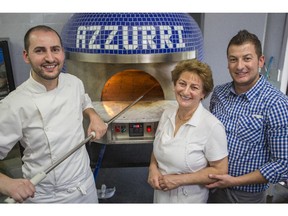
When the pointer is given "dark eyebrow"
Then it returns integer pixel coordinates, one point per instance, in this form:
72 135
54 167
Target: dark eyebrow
248 55
181 80
39 47
193 84
52 47
245 56
232 56
57 46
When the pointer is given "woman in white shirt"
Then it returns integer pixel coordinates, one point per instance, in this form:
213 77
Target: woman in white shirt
190 142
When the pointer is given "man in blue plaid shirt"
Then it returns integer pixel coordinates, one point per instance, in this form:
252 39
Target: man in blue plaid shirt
255 115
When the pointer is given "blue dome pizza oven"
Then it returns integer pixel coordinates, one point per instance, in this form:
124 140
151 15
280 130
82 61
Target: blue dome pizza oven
118 56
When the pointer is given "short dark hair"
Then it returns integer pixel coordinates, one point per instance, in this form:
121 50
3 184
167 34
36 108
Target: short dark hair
36 28
243 36
195 66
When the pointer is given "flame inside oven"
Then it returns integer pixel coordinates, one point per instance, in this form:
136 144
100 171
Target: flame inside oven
128 85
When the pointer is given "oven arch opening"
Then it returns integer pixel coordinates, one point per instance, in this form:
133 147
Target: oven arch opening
130 84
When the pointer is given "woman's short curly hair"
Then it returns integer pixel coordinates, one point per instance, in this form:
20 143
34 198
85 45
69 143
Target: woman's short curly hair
203 70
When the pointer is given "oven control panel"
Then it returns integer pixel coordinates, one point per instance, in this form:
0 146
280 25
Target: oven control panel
136 129
132 132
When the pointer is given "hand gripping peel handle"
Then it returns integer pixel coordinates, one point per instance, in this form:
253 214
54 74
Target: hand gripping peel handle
41 175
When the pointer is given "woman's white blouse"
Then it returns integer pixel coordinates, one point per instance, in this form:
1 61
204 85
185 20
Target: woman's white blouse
198 141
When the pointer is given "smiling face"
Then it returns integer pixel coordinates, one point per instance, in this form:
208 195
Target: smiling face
243 65
46 57
189 90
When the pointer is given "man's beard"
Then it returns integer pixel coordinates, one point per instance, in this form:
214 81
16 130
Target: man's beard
46 75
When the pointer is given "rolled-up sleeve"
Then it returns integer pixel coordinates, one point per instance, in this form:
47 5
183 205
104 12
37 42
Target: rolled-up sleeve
277 138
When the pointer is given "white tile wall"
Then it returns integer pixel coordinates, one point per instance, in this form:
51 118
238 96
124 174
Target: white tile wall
14 27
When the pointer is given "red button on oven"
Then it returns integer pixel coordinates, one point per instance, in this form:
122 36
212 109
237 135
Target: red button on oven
149 128
117 129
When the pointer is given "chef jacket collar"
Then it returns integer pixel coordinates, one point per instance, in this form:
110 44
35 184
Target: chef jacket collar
37 87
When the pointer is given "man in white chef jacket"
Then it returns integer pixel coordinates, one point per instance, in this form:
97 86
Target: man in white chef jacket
45 114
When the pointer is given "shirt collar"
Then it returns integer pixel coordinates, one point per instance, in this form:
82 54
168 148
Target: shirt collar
37 87
196 118
251 93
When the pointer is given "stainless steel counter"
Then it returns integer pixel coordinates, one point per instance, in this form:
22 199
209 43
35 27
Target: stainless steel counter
143 111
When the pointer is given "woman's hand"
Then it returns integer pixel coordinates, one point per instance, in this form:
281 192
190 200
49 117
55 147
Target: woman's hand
169 182
153 178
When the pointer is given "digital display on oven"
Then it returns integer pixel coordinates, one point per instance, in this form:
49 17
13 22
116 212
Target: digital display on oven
136 129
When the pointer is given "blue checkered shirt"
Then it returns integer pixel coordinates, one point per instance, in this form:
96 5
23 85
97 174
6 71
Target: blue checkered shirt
256 124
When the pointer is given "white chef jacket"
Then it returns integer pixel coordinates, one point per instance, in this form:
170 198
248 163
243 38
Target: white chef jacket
49 124
198 141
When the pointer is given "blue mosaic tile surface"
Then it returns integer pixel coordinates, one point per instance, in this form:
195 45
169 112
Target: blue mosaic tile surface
132 33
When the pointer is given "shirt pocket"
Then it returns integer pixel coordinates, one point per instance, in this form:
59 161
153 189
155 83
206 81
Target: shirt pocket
250 128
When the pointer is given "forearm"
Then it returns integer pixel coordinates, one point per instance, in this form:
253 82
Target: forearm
254 177
154 174
91 114
198 178
96 124
153 162
3 183
201 177
223 181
